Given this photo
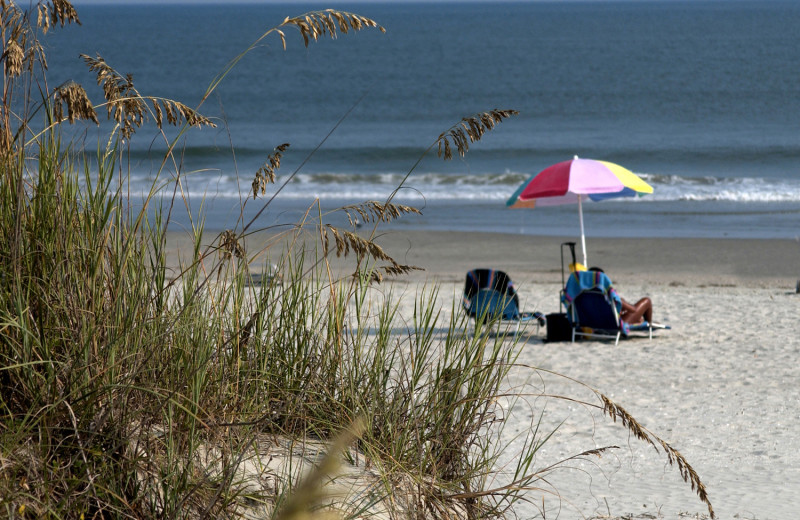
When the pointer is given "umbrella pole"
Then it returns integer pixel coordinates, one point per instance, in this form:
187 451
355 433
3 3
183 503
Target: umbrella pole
583 237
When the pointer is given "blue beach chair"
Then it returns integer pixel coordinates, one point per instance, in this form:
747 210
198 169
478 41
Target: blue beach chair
593 308
489 295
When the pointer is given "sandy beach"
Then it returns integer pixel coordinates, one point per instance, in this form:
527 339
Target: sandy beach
719 387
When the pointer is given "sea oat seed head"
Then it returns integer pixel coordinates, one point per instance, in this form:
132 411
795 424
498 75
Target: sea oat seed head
230 246
685 469
63 12
313 25
266 174
78 104
157 112
470 130
129 108
14 57
42 17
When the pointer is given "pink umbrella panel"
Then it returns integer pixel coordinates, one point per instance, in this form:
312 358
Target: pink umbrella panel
577 180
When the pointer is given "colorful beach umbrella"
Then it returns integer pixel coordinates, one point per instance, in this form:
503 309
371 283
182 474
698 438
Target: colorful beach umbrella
578 180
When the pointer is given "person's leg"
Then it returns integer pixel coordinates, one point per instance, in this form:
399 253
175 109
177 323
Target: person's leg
634 313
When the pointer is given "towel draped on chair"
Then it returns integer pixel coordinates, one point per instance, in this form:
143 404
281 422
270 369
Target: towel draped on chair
581 282
490 293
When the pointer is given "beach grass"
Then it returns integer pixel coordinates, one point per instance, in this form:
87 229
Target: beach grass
132 388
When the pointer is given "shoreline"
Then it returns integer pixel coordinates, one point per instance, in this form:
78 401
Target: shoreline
446 256
671 261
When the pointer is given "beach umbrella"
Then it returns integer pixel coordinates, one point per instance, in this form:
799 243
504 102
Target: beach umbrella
578 180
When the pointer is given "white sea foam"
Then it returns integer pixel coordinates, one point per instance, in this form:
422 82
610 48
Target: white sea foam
491 187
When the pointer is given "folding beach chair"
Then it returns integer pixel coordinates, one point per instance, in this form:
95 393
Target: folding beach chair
593 308
489 295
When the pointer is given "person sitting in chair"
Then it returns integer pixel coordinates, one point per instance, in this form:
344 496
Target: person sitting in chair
633 314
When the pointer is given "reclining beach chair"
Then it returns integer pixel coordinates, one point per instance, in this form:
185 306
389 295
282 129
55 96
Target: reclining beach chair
593 308
489 295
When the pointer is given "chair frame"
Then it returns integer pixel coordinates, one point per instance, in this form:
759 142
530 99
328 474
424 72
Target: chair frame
614 332
492 305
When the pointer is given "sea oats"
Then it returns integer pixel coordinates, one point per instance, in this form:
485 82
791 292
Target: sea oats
615 411
78 104
157 113
674 457
124 105
14 57
6 138
63 12
470 130
396 269
55 12
42 17
266 174
316 24
347 241
282 36
20 43
304 501
374 211
181 112
128 107
230 246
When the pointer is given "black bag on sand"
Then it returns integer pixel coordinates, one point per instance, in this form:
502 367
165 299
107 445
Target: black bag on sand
558 327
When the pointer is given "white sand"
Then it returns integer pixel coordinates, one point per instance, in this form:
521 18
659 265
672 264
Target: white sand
721 387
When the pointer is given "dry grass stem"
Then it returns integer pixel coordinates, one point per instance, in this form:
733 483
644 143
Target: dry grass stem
62 11
374 211
56 12
394 269
21 49
674 457
316 24
78 104
230 246
266 174
311 491
470 130
14 57
129 108
346 242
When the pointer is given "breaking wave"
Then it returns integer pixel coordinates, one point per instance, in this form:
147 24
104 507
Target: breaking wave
488 187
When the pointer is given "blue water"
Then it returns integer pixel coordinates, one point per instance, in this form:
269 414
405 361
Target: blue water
700 98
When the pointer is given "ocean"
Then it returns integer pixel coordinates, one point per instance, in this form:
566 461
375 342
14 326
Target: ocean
700 98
